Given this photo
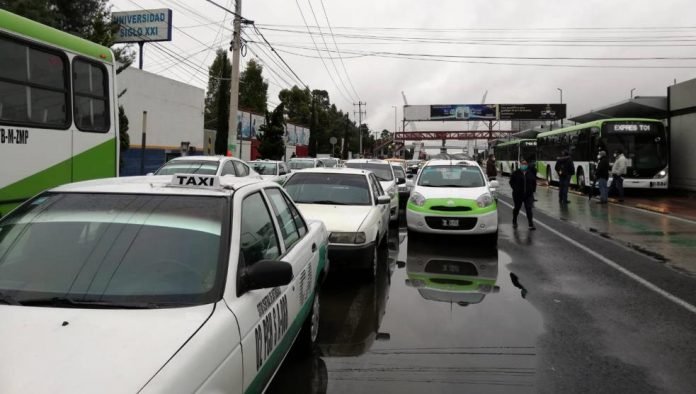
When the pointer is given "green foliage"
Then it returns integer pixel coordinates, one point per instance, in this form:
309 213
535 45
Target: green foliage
253 90
222 108
271 143
385 135
219 74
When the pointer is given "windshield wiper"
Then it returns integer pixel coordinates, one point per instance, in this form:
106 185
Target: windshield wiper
327 202
66 302
8 299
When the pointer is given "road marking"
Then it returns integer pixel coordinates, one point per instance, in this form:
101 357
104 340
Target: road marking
617 267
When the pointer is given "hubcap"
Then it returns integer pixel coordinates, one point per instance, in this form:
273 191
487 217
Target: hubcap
314 329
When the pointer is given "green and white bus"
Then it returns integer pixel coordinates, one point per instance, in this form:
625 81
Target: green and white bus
58 122
644 143
509 154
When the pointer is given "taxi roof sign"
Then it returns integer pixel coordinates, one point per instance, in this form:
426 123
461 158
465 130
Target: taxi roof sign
196 181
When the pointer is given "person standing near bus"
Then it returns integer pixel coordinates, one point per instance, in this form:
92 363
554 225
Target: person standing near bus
565 168
523 183
618 170
491 170
602 176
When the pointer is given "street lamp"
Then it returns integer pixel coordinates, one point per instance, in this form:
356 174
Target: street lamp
394 135
561 91
632 92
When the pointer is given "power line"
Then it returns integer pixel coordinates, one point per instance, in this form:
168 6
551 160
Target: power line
326 15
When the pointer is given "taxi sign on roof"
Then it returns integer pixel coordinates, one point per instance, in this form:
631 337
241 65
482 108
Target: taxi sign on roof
195 181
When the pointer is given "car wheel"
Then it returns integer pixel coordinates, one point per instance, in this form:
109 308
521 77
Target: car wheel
310 330
371 271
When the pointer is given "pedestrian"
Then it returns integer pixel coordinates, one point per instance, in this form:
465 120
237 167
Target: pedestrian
565 168
491 170
602 176
618 170
523 183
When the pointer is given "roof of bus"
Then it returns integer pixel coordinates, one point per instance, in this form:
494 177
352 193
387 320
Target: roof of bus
515 141
17 24
596 123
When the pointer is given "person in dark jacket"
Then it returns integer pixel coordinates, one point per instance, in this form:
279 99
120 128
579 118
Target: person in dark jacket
565 168
602 176
491 170
523 183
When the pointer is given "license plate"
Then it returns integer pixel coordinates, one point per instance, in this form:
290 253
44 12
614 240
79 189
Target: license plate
450 222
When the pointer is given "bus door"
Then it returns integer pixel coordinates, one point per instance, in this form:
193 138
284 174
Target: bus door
94 142
35 136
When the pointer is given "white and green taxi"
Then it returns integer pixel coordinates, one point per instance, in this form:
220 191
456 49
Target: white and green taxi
453 197
167 284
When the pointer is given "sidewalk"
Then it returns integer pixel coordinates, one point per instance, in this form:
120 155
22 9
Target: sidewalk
637 223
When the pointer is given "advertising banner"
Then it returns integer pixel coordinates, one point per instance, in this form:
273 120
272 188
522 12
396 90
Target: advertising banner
532 111
464 112
256 122
143 25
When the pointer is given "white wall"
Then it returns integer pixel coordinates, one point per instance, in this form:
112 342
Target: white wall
682 167
174 109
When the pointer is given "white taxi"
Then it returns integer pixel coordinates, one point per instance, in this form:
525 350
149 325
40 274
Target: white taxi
385 174
208 165
354 208
453 197
270 170
157 284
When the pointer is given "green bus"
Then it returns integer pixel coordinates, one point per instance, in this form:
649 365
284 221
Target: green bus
509 154
643 141
58 118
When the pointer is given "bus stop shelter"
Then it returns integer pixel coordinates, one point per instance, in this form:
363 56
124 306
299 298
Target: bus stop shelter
651 107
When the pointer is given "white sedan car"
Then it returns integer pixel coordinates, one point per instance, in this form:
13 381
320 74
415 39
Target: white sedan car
270 170
158 284
208 165
354 208
385 174
453 197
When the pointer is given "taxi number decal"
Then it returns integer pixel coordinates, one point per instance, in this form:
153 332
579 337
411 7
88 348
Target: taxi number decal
13 136
271 330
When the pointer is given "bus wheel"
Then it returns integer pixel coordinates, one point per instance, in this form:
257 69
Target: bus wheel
580 178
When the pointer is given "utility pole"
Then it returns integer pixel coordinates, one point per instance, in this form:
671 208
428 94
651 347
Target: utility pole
360 113
234 83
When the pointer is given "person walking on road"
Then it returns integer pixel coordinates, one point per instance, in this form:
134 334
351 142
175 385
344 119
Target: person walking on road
565 168
523 183
618 170
602 176
491 170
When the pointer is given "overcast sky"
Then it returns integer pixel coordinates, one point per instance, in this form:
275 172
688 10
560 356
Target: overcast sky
370 33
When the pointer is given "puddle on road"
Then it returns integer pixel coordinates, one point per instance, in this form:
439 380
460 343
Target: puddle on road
443 316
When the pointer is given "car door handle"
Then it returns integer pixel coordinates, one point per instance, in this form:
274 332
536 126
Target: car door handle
314 248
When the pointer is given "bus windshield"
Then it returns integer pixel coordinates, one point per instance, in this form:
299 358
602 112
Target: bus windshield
643 144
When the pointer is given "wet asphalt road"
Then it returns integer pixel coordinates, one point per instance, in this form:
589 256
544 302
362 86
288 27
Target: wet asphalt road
537 314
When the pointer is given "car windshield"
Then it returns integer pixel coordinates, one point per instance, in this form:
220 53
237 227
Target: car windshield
300 164
114 250
382 170
451 176
205 167
329 188
264 168
399 172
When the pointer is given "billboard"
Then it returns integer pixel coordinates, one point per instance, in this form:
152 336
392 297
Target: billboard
531 111
256 122
143 25
464 112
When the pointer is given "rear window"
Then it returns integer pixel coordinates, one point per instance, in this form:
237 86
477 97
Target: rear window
204 167
333 189
300 164
114 249
381 170
264 168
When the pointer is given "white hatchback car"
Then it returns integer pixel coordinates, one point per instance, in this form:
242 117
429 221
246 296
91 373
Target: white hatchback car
385 174
270 170
208 165
354 208
157 284
453 197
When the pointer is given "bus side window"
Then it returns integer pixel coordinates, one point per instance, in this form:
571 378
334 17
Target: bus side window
91 96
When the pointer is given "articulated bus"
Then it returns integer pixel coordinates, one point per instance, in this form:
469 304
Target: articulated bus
509 154
643 141
58 122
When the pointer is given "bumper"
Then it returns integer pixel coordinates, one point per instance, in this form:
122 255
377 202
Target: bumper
633 183
351 256
486 223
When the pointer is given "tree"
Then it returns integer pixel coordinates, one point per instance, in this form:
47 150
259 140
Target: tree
385 135
219 74
253 90
123 137
271 144
223 109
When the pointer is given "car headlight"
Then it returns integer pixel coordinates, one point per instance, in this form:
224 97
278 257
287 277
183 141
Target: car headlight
347 238
417 199
484 200
662 173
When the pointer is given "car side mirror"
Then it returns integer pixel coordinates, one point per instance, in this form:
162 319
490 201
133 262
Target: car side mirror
383 336
266 274
400 181
383 200
409 176
494 184
282 172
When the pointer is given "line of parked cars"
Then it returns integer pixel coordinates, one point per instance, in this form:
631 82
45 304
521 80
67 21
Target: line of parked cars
202 276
